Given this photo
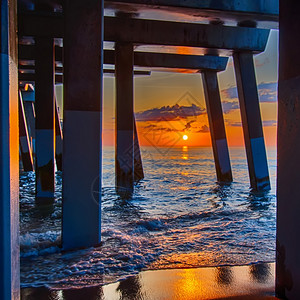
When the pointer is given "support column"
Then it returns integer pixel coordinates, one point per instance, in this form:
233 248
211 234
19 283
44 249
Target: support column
9 155
288 149
83 73
216 125
251 120
138 164
58 140
30 118
24 140
44 122
124 119
28 102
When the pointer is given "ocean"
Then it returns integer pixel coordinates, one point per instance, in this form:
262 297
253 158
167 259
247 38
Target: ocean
178 217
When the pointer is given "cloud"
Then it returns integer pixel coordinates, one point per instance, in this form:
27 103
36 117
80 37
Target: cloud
170 113
228 106
269 123
260 63
188 124
230 93
234 124
267 92
204 129
169 128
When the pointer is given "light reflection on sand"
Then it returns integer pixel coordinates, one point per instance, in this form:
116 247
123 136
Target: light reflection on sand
239 282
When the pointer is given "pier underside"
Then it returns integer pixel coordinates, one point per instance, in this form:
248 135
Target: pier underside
75 43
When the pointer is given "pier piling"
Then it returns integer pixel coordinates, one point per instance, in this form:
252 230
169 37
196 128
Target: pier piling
9 154
25 147
44 121
251 121
124 119
58 139
82 130
287 282
138 164
216 125
28 102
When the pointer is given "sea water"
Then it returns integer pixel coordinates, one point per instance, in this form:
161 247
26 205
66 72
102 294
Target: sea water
178 217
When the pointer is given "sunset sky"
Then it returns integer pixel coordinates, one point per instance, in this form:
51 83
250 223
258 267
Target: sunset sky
171 105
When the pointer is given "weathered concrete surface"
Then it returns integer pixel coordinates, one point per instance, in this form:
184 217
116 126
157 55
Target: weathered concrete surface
194 35
82 129
288 176
44 121
216 126
251 121
9 155
263 13
142 59
269 7
139 31
124 119
177 61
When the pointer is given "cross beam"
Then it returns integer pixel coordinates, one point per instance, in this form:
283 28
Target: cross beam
232 9
30 77
148 59
140 31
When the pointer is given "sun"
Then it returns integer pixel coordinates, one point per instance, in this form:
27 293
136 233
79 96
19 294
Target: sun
185 137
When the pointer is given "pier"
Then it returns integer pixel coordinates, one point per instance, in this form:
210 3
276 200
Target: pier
44 43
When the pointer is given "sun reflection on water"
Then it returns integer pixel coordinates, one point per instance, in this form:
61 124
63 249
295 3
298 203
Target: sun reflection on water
185 154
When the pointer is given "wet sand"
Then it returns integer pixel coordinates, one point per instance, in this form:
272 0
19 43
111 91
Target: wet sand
240 282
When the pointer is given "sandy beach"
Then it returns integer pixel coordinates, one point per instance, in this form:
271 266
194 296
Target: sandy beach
254 281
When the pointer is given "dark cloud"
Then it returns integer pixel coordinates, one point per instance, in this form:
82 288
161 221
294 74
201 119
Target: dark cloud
204 129
169 128
153 127
188 124
170 113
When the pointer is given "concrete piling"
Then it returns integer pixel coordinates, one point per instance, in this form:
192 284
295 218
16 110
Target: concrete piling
124 119
138 164
58 139
25 147
28 103
251 121
9 154
287 282
83 56
216 125
44 121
